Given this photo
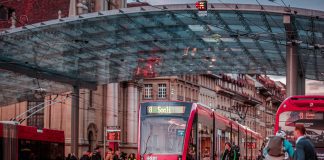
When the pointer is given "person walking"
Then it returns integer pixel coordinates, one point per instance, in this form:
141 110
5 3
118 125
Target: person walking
305 149
278 147
229 153
117 155
287 146
85 155
132 156
109 154
96 154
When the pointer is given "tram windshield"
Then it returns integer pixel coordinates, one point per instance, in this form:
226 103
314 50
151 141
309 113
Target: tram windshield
312 120
162 135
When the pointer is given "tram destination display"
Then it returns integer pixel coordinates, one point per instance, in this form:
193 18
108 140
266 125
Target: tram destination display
165 109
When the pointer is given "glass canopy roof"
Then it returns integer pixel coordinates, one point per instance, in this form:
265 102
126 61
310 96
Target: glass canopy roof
150 41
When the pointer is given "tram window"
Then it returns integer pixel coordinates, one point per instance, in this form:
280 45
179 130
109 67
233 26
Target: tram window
205 141
40 150
168 132
192 149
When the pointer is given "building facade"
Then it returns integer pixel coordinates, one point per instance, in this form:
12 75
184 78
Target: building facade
246 99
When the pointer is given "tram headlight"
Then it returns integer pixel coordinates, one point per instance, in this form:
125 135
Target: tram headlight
179 157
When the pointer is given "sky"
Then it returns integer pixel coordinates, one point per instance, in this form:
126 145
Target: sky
312 87
308 4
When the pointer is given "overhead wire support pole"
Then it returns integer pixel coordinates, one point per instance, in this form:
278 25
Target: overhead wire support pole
75 120
295 80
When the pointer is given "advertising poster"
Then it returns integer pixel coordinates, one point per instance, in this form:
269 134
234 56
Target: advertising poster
313 122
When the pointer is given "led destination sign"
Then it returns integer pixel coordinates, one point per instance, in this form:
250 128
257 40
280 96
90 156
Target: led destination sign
165 109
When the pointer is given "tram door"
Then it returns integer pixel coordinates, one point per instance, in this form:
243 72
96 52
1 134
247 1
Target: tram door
205 137
220 128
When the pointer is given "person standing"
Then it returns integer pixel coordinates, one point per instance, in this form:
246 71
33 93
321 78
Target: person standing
229 153
117 155
287 146
132 156
305 149
109 154
85 156
96 154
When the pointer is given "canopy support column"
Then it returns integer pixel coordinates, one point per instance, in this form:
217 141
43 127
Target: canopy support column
75 120
295 77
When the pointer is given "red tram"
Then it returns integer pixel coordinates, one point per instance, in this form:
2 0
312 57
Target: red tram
307 110
176 130
28 143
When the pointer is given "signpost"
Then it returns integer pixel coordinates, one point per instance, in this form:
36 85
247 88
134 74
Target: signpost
112 136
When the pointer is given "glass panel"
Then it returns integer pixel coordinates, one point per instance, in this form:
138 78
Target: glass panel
162 135
205 141
38 150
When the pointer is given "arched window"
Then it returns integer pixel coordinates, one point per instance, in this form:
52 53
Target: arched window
4 15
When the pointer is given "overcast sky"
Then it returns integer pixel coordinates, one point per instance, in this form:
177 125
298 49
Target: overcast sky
309 4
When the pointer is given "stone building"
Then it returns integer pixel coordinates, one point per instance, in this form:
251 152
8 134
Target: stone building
249 100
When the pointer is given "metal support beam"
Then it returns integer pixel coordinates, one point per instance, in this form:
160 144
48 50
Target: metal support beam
295 77
75 120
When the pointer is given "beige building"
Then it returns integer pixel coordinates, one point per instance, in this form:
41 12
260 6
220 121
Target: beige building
116 104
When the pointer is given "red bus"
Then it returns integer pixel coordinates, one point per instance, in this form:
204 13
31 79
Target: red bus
184 130
306 110
28 143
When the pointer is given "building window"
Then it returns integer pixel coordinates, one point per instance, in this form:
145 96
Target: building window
148 91
91 4
37 119
162 91
3 13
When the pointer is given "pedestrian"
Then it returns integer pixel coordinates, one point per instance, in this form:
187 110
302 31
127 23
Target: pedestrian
71 156
96 154
68 157
287 146
229 153
132 156
274 149
305 149
117 155
109 154
85 156
123 156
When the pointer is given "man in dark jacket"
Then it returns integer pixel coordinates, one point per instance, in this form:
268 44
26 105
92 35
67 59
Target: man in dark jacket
96 154
229 153
305 149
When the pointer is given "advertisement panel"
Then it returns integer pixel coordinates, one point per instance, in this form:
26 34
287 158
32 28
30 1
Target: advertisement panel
313 122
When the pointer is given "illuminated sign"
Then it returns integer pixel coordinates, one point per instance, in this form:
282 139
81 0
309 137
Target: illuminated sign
165 109
201 5
113 136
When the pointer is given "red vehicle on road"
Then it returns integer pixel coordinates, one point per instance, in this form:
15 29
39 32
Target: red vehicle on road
28 143
306 110
184 130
